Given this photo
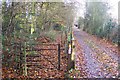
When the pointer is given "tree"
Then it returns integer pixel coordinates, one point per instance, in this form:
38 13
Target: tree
95 16
81 22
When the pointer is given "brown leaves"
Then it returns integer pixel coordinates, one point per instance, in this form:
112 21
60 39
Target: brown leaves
49 63
102 51
9 73
43 39
79 71
42 66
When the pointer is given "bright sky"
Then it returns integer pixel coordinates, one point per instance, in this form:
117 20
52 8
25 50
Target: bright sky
114 8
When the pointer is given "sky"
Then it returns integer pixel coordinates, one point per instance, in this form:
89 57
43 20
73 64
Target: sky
114 8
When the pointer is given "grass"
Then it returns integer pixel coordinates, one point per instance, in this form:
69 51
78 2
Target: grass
51 34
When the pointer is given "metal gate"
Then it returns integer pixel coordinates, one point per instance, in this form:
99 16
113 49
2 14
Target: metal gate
36 56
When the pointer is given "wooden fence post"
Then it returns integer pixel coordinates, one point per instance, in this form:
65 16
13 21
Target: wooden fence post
69 57
25 63
58 56
21 61
69 51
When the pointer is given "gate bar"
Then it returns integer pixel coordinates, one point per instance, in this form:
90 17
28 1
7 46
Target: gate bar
58 56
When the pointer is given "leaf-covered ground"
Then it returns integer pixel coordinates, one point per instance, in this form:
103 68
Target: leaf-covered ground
41 64
94 58
99 55
80 70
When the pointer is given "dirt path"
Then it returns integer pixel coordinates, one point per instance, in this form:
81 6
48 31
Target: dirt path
101 60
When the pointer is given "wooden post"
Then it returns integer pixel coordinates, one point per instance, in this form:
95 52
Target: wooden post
21 60
70 52
58 56
25 63
69 57
72 61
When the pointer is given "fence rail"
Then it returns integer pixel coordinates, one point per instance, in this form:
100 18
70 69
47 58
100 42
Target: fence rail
30 47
